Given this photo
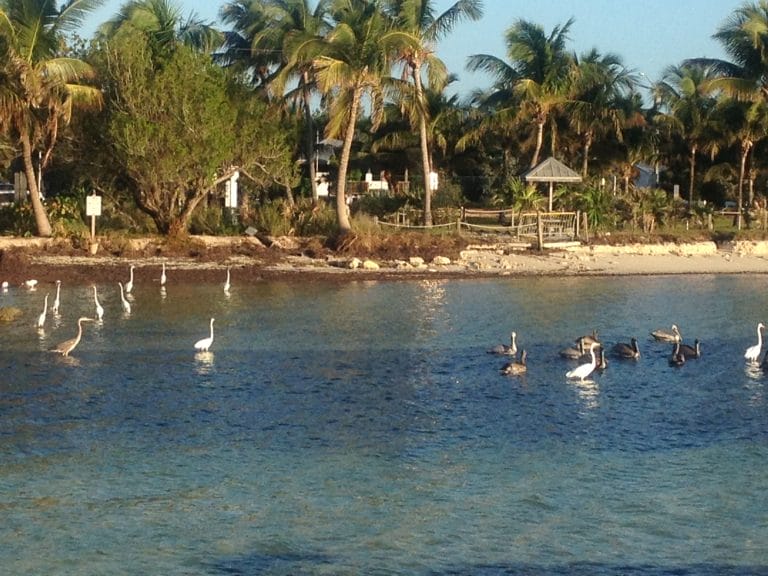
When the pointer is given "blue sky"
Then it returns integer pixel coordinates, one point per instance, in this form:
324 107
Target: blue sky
648 34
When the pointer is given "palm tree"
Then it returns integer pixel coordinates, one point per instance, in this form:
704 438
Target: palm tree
684 93
537 73
165 25
418 18
595 108
351 63
41 86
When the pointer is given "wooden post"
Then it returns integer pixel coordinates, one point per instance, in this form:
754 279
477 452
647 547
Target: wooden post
578 216
539 231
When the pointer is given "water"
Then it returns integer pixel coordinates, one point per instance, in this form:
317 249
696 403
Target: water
363 429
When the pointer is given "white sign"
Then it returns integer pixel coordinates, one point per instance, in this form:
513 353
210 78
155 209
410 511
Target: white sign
93 205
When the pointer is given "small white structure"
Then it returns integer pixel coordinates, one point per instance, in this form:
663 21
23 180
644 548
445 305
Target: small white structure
230 190
323 184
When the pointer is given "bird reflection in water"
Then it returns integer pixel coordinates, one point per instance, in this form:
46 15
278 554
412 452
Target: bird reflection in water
204 362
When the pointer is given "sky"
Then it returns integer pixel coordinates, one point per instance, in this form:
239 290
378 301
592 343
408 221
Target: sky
648 35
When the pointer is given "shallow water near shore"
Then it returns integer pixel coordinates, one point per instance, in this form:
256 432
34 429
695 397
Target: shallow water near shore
362 428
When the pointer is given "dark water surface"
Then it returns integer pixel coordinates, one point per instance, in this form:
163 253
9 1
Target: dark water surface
363 429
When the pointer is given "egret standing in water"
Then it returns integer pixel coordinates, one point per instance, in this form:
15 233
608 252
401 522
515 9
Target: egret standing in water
41 318
205 343
126 304
129 284
56 302
753 352
99 309
68 345
227 284
584 370
163 277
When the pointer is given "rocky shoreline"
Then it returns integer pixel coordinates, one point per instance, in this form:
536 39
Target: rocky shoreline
33 258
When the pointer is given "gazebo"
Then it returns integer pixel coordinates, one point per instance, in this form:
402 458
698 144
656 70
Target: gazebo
551 171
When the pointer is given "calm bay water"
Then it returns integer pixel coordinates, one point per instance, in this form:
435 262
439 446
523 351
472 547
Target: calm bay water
363 429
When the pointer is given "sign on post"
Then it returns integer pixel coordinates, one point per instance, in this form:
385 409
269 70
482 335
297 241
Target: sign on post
93 209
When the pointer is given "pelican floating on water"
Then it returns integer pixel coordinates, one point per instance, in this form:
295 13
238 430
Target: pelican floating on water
672 335
624 350
691 351
516 368
509 350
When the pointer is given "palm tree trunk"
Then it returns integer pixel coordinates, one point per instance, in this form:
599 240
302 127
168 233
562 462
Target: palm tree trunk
426 164
693 174
310 150
41 218
742 169
585 160
342 214
539 143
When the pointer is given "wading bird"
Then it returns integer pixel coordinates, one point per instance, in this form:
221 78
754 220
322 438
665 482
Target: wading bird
584 370
126 304
753 352
99 309
56 301
691 351
227 284
68 345
205 343
677 358
41 318
163 277
129 284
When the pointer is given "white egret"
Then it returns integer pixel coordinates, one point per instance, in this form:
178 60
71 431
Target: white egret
584 370
68 345
126 304
205 343
99 309
41 318
753 352
30 284
5 285
624 350
227 284
163 277
129 284
516 368
56 301
667 335
508 350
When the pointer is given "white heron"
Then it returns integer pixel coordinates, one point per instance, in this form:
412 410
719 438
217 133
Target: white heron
584 370
129 284
99 309
227 284
41 318
163 277
672 335
126 304
68 345
30 284
753 352
516 368
508 350
205 343
5 285
57 301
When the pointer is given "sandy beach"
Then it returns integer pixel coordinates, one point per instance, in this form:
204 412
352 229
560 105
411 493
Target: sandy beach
249 259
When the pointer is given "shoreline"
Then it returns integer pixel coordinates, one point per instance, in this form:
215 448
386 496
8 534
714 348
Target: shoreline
30 258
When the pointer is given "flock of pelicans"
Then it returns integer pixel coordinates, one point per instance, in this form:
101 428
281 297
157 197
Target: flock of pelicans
66 347
591 354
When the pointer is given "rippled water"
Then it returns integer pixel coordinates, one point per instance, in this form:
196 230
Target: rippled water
363 429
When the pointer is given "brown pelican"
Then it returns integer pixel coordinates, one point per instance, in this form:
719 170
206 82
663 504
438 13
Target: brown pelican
624 350
510 350
677 358
667 336
691 351
516 368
